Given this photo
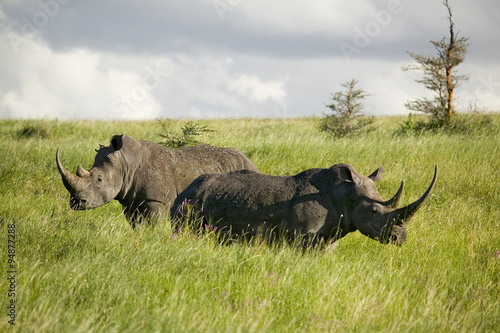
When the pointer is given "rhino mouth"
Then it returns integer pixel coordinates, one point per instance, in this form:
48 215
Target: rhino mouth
77 203
397 238
392 233
393 239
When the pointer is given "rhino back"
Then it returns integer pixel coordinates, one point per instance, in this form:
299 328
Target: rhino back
245 200
165 172
188 163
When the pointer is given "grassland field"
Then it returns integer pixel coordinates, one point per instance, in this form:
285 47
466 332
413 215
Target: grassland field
88 271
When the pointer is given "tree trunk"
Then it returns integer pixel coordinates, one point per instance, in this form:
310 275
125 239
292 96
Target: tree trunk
449 64
450 94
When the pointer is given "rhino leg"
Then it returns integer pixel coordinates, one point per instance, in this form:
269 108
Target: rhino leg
147 213
187 214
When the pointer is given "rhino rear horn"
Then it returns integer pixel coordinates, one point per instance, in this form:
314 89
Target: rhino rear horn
81 172
377 174
407 212
394 201
71 182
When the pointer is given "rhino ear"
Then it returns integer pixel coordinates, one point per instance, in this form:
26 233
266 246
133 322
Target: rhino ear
100 147
349 174
377 174
117 142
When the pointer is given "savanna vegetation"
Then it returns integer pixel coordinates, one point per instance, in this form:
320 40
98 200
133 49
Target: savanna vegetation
88 271
440 75
346 116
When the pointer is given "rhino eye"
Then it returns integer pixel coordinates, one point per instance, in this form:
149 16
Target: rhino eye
99 179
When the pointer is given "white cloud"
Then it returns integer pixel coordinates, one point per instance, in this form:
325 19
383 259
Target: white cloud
82 83
482 88
63 84
390 92
212 87
303 17
259 90
126 60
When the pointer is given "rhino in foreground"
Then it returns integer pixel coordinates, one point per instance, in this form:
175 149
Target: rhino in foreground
144 176
321 204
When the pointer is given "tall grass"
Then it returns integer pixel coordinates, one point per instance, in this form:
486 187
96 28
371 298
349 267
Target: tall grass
89 271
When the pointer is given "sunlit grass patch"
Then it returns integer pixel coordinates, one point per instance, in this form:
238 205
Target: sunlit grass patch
88 271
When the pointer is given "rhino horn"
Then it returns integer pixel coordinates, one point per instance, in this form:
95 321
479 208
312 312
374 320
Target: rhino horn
81 172
394 201
71 182
377 174
406 213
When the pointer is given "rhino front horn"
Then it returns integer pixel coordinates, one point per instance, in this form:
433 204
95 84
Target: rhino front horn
70 181
407 212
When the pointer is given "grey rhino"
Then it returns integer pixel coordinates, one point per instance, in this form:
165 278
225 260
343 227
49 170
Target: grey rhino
322 204
144 176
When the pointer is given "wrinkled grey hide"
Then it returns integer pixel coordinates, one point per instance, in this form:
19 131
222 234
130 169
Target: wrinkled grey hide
326 204
144 176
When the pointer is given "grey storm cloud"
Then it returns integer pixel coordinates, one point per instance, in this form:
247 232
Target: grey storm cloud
193 25
216 58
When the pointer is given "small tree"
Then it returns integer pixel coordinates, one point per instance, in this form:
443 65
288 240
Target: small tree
347 116
440 74
189 131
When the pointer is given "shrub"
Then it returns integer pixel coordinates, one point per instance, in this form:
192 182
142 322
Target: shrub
347 117
466 123
33 130
189 131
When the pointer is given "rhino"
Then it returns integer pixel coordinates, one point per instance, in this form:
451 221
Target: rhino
320 205
144 176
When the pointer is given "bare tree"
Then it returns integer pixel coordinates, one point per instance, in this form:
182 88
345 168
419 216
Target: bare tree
440 74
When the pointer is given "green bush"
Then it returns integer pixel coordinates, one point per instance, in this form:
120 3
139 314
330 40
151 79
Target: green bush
469 123
190 130
341 127
347 117
33 130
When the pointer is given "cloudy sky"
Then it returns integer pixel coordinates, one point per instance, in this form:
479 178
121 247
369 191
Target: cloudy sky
111 59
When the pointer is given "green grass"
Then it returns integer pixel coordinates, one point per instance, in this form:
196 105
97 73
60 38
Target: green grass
89 271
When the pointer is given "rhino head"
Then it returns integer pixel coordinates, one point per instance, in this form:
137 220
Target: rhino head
99 185
378 219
